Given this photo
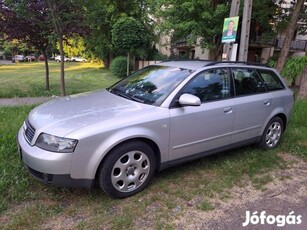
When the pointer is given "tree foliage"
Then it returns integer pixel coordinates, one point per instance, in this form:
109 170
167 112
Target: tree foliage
74 46
27 21
190 20
203 19
67 19
36 22
102 15
293 68
129 35
284 12
290 31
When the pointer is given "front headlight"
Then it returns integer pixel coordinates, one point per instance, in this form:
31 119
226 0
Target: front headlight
56 144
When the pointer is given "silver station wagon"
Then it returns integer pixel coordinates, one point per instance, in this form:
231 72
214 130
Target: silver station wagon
161 115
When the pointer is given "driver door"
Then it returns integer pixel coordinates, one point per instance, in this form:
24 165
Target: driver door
197 129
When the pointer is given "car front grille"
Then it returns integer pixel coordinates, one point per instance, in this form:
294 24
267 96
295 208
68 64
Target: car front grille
29 131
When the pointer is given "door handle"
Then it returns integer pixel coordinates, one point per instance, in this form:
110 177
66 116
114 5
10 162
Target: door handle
228 110
267 102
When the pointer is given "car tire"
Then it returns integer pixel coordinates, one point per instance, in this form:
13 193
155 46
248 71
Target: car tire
127 169
272 134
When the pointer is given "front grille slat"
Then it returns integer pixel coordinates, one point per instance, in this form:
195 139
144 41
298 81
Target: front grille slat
29 132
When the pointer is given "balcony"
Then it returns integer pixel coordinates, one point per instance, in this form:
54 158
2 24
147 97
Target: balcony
296 45
183 43
259 41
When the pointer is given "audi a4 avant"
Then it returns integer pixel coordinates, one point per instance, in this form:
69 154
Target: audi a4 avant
161 115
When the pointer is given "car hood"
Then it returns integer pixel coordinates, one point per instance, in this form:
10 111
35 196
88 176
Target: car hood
65 115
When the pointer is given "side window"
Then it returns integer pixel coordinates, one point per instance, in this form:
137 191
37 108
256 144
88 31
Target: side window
209 85
270 79
247 81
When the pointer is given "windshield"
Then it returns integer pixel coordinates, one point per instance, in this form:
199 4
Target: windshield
150 85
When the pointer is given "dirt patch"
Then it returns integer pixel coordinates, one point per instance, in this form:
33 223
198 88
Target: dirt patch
64 222
287 192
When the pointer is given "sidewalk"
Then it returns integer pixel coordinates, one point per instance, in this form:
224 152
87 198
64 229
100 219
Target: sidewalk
16 101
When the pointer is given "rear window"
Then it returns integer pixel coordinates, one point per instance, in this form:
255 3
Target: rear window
271 80
247 82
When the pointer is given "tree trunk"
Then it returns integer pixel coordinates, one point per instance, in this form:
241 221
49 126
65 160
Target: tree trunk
107 60
292 26
47 70
62 80
303 84
128 61
111 57
218 51
59 32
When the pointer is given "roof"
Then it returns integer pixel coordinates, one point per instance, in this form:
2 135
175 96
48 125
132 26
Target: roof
189 64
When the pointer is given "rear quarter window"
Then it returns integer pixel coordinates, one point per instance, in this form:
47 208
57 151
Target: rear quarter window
271 80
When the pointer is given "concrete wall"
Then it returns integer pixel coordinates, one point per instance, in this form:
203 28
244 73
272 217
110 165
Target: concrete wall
141 63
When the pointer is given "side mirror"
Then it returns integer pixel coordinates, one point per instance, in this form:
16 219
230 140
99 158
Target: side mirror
189 100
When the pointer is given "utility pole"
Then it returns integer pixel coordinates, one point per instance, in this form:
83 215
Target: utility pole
245 28
230 50
235 6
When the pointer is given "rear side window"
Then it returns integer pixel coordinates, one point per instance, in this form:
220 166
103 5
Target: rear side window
270 79
247 81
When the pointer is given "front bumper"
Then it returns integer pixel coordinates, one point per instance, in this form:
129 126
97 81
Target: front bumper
49 167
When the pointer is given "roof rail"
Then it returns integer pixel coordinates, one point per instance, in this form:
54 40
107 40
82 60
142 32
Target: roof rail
236 62
195 59
212 62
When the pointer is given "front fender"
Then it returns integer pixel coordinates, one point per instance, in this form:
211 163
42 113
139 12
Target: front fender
85 164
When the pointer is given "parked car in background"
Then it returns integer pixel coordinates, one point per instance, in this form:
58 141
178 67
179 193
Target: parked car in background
58 59
30 58
41 58
78 59
18 58
162 115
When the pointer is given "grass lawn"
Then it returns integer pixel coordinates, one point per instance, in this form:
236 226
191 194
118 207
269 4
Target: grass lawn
28 79
28 204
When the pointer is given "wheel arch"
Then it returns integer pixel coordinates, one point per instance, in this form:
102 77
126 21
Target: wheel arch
284 119
148 141
278 112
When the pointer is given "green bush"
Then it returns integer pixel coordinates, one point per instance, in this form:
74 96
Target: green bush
159 57
119 66
293 67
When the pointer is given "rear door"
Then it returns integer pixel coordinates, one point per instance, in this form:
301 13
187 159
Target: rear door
251 104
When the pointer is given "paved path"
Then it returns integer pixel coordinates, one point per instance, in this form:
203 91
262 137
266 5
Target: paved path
23 101
6 62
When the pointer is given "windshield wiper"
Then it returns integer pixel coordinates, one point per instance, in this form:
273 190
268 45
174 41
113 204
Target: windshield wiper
136 99
125 95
